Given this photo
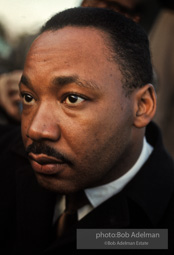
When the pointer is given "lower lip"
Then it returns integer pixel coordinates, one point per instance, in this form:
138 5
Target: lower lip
48 169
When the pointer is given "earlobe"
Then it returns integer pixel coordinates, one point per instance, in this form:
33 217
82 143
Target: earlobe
145 106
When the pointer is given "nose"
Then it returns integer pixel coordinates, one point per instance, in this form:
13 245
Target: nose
44 125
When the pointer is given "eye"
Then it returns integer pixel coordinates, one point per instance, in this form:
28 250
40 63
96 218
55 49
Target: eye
27 99
73 100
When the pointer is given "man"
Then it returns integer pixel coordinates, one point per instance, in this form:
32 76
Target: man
9 97
87 100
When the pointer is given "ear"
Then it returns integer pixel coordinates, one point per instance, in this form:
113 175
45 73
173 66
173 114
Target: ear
145 106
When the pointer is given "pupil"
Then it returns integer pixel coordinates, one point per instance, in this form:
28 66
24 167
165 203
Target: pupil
73 99
28 98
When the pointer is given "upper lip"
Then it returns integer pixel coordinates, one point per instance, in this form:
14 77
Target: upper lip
43 159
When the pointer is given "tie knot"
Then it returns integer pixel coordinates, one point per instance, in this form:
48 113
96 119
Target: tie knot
75 201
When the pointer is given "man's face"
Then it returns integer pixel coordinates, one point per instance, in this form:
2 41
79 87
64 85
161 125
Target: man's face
76 120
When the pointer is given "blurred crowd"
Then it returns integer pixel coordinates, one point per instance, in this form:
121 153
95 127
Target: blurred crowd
12 57
157 19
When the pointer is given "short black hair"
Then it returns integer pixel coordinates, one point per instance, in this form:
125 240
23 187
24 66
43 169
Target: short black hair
128 42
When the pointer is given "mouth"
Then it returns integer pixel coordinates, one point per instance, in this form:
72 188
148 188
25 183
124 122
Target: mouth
44 164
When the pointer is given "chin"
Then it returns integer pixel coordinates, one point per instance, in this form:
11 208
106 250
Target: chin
52 184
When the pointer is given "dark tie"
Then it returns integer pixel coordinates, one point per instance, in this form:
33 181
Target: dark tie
69 217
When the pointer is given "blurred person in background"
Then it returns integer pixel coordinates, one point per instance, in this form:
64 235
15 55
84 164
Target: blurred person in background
12 57
9 97
161 38
129 8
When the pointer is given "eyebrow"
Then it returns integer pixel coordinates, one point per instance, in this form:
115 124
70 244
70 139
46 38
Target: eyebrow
26 81
23 80
63 81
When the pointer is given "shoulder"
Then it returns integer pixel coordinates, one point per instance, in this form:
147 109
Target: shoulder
9 133
12 152
160 156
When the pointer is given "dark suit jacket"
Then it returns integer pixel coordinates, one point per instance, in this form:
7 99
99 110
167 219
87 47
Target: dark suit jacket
26 212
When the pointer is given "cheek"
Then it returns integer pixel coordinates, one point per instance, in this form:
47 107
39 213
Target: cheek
87 135
100 132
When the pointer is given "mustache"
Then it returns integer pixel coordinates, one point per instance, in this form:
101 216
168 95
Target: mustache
41 148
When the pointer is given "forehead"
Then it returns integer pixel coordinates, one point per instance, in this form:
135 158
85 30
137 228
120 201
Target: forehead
73 33
71 51
71 41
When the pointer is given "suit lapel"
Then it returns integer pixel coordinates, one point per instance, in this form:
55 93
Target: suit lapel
34 212
113 213
147 187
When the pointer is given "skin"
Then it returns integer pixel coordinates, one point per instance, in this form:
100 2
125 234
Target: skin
9 93
100 131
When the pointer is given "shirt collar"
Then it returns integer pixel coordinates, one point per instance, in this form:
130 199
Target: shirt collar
99 194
